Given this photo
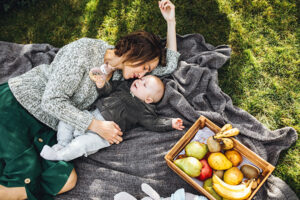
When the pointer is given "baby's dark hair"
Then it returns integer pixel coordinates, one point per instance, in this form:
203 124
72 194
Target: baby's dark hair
141 47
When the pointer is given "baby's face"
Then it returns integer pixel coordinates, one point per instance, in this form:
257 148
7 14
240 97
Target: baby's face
148 87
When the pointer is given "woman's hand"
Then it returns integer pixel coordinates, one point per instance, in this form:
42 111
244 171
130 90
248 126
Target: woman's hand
109 130
167 9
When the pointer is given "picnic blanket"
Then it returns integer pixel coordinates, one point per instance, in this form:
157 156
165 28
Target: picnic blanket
192 90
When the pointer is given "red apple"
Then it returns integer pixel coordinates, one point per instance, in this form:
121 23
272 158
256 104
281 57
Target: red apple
206 171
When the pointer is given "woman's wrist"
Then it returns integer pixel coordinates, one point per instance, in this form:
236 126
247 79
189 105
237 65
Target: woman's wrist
171 22
93 126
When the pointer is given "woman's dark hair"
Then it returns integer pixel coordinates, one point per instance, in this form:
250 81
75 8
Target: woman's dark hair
141 47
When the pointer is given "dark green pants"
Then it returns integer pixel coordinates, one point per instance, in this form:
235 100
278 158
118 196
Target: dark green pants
22 137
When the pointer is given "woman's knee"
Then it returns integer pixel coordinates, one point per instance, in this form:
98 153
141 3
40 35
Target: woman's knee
71 182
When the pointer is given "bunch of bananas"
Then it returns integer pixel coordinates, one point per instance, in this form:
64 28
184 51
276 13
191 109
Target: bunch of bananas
226 132
234 192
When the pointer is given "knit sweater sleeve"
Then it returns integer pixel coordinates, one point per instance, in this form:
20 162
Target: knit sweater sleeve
68 71
172 62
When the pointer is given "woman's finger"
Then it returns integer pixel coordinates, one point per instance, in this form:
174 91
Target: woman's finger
170 4
161 4
118 138
165 3
117 129
116 141
117 126
161 8
119 133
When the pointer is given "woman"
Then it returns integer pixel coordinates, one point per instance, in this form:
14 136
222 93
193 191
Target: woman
32 104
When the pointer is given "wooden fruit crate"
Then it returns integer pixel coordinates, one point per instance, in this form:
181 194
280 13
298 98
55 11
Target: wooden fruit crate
265 167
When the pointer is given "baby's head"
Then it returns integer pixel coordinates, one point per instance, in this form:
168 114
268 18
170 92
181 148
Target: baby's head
149 89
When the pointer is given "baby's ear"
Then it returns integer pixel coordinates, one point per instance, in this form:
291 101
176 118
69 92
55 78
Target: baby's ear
148 100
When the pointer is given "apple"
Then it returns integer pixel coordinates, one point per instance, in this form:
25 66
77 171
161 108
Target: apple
206 171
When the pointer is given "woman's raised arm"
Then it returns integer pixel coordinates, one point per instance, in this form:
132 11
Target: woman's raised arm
167 9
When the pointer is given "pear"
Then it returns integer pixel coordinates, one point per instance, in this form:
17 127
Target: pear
218 161
208 186
196 149
190 165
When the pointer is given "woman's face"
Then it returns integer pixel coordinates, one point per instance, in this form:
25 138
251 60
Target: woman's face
132 71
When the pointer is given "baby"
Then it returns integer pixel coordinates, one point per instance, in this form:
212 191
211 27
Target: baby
127 103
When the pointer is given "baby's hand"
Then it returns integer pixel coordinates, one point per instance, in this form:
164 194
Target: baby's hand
100 74
97 76
177 123
100 84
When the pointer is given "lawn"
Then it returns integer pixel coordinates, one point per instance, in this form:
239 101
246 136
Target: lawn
261 78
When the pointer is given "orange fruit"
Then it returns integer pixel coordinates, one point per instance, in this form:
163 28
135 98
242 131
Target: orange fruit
233 176
234 157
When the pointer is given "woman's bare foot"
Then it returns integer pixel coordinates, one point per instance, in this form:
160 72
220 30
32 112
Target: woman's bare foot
71 182
12 193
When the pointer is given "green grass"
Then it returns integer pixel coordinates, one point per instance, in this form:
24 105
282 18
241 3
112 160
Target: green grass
262 76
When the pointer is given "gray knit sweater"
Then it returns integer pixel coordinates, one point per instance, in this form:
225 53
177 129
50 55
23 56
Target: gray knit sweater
63 89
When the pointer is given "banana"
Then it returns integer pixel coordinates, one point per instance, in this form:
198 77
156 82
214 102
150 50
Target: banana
217 180
227 143
234 192
229 133
226 127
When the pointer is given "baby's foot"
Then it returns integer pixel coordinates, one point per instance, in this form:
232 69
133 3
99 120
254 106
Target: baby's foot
124 195
57 147
48 153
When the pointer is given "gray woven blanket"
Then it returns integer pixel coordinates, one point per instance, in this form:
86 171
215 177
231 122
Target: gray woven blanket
190 92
